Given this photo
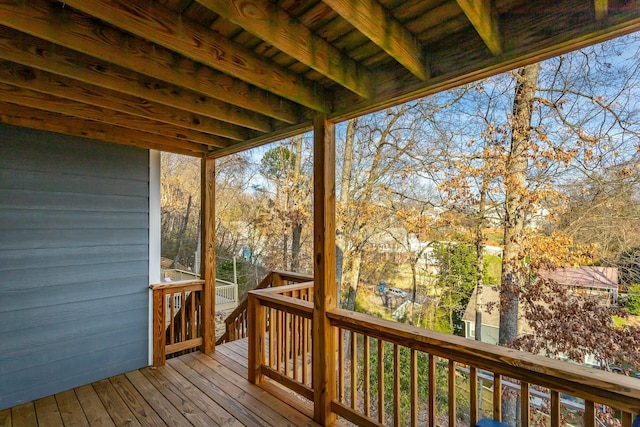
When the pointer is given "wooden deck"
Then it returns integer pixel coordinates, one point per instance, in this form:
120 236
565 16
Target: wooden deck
191 390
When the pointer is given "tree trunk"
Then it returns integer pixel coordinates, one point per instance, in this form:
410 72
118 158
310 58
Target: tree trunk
343 202
296 232
183 231
353 282
480 257
296 235
516 208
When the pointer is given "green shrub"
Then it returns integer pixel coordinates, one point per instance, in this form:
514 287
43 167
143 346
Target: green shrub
633 302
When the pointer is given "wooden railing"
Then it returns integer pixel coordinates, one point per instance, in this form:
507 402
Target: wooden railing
226 295
280 325
403 375
177 318
236 322
422 362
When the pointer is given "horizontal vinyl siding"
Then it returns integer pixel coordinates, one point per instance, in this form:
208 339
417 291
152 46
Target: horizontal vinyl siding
74 262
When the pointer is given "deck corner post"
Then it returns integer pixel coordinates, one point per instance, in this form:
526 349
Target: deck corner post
208 253
159 328
324 277
256 327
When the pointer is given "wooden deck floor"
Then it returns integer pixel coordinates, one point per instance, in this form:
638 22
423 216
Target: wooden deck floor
191 390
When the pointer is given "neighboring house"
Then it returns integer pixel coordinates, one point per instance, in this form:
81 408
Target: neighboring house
600 282
490 319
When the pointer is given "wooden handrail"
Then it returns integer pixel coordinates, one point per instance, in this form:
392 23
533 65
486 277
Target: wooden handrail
277 353
175 285
183 336
236 322
449 352
279 326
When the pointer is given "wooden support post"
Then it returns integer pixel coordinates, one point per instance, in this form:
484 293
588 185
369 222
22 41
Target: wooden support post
208 251
257 337
324 270
159 328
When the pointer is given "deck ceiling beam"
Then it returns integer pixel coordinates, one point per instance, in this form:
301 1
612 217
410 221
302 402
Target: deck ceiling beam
378 25
46 102
160 25
63 87
16 115
64 27
36 53
484 17
268 22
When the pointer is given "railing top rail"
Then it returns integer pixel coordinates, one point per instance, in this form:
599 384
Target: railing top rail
176 285
609 388
225 283
284 303
288 288
290 275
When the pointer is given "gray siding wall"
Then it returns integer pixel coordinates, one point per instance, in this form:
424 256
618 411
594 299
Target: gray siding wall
74 262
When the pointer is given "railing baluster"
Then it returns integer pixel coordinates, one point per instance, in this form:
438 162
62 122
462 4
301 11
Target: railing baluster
285 344
193 314
396 385
303 344
555 408
497 397
414 388
381 381
183 317
524 404
272 337
341 396
279 341
365 373
354 368
294 347
589 413
473 395
172 336
452 393
432 390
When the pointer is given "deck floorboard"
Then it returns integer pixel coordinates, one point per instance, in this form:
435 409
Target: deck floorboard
192 390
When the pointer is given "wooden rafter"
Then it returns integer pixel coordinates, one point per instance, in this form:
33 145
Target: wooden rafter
273 25
32 52
46 102
484 18
602 9
186 37
74 31
63 87
379 26
42 120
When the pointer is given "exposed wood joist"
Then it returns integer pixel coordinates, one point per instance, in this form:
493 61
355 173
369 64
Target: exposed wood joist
33 52
525 41
273 25
602 9
186 123
42 120
169 29
378 25
46 102
484 18
66 28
